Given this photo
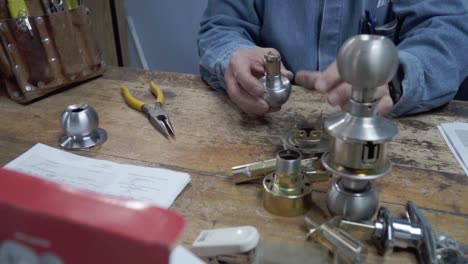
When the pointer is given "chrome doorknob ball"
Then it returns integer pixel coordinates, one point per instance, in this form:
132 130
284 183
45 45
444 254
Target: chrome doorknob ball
79 120
80 123
367 61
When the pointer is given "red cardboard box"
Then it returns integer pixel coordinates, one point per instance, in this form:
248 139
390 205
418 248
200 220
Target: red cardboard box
48 223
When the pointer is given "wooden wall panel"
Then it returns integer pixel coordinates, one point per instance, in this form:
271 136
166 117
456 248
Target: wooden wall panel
123 31
104 30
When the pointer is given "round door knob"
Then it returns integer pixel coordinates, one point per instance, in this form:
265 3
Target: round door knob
367 61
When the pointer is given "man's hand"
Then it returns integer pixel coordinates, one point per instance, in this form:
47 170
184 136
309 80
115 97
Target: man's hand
241 77
338 92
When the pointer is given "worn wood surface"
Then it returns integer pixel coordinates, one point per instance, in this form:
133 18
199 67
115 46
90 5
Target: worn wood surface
212 135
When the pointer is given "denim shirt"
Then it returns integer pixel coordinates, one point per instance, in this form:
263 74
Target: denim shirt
431 37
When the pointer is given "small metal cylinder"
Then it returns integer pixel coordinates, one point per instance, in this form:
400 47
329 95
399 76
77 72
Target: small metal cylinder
287 190
406 234
363 95
272 64
354 185
288 170
396 232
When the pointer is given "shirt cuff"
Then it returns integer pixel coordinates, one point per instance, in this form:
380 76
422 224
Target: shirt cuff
412 85
216 79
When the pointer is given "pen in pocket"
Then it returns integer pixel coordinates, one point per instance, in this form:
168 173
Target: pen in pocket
73 4
17 8
47 7
370 22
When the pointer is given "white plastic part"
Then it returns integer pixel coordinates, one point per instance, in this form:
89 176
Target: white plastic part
226 241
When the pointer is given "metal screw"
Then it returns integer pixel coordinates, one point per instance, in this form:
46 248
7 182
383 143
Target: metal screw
28 88
11 47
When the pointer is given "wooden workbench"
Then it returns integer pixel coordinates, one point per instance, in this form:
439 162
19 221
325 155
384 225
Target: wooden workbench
213 135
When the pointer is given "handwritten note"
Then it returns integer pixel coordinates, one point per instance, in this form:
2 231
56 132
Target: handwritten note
158 186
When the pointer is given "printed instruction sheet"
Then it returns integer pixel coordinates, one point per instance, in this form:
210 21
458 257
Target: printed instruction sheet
456 136
158 186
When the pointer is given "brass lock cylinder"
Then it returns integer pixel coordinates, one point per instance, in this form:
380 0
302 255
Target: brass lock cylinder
287 190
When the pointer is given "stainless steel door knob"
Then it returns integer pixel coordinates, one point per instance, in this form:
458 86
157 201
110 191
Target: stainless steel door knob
359 137
81 125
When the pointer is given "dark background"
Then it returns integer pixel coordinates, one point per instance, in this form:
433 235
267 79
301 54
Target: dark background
463 91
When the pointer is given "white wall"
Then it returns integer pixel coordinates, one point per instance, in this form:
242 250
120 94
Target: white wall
167 30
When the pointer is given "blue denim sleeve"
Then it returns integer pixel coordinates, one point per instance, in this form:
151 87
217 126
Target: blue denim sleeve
432 51
226 27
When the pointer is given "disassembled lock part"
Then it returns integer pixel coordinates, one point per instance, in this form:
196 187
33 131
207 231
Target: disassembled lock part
307 138
258 170
449 251
277 87
227 245
253 171
350 202
81 125
346 249
287 191
414 231
243 245
359 136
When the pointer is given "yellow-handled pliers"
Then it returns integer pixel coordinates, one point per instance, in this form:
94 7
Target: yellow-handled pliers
157 115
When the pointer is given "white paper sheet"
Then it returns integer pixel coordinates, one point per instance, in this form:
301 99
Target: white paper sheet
158 186
456 136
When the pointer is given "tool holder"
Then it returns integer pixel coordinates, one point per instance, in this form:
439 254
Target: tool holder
41 53
359 136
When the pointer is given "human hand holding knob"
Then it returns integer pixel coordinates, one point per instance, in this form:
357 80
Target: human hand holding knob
365 63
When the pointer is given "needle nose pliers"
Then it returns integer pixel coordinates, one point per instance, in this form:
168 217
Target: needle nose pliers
157 115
